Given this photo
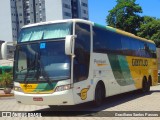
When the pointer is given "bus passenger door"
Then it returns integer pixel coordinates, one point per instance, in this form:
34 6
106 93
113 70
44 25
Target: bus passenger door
81 62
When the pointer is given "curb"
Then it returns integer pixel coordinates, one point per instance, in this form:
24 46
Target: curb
6 95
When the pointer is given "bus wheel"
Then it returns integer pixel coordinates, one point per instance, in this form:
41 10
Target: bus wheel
99 94
149 83
145 86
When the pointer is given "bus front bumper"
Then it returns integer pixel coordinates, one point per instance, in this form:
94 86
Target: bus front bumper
56 98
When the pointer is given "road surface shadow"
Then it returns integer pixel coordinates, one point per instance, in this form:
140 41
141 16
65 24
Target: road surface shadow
87 109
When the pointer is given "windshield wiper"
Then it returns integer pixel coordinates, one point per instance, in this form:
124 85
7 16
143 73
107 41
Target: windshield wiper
33 65
43 72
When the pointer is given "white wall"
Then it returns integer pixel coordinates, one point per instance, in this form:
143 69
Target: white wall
53 10
6 62
5 21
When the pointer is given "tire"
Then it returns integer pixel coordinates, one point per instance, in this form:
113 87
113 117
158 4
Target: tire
99 95
150 80
145 86
149 84
52 106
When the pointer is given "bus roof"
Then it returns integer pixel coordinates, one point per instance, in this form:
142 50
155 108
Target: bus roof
58 21
94 24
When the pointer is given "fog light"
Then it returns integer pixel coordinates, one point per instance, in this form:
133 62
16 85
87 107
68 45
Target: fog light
19 89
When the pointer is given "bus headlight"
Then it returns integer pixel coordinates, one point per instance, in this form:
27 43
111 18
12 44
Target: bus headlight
19 89
63 87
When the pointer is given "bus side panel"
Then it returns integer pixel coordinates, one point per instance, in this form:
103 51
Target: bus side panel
102 71
142 67
121 71
114 71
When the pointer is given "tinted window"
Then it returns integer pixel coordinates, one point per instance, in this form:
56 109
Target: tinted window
49 31
105 41
82 52
46 60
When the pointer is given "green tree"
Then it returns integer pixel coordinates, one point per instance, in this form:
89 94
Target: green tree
125 16
150 29
6 79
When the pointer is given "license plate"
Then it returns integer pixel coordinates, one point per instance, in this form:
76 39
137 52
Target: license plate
37 99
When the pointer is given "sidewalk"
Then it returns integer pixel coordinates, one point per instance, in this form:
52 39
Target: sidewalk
2 94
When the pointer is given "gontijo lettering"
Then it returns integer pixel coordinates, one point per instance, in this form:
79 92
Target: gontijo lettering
27 86
139 62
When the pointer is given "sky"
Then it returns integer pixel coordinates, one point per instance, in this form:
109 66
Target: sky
98 9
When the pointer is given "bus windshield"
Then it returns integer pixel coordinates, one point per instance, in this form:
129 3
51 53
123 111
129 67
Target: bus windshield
49 31
41 61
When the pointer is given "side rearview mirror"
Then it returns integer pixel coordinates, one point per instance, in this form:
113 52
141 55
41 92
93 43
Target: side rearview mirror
4 50
68 44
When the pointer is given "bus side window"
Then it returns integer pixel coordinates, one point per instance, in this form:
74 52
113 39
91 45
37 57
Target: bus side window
82 52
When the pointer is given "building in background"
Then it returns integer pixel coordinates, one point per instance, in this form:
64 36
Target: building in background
5 21
66 9
25 12
17 13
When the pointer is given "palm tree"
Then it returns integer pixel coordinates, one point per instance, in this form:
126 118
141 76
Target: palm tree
6 80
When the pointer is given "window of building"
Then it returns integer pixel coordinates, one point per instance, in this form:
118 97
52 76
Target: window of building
28 21
27 14
85 12
67 14
27 6
67 6
84 4
85 18
74 15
